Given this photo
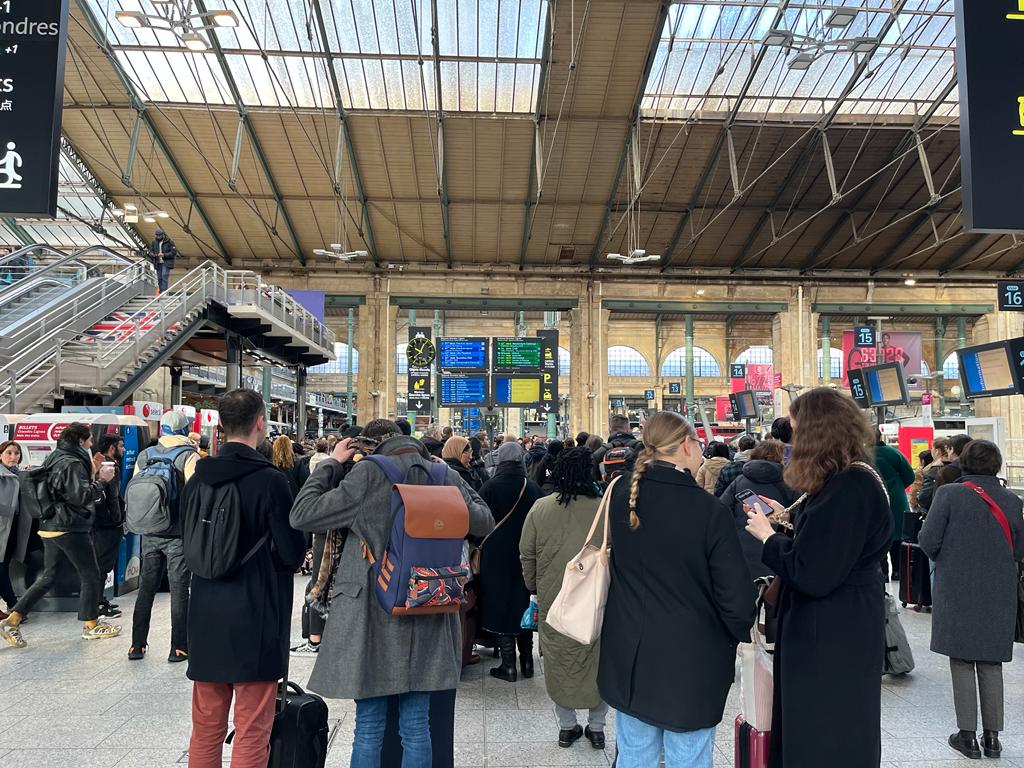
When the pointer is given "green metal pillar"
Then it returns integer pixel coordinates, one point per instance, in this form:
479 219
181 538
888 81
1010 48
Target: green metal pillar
436 409
657 360
961 332
689 366
268 379
520 324
348 368
410 412
940 381
826 350
551 323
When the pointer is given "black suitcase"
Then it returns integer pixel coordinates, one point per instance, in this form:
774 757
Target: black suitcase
911 526
915 576
299 736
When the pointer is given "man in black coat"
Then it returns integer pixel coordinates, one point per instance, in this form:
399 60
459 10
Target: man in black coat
619 436
162 251
238 625
108 522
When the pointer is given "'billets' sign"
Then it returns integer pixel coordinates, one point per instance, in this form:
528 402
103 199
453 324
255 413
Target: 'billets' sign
33 40
990 68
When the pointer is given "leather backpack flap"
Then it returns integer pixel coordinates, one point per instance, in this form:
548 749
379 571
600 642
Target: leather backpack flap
434 511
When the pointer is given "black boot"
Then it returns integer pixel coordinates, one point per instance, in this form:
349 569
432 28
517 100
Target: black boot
507 670
990 744
525 644
966 743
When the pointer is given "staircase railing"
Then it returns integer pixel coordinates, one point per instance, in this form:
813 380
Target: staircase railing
17 275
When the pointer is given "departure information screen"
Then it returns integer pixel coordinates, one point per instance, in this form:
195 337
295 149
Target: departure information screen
462 354
517 354
985 371
516 390
886 385
463 390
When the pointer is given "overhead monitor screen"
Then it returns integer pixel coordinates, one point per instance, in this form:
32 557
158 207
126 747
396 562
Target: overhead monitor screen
886 385
516 390
462 354
463 390
985 370
746 402
514 354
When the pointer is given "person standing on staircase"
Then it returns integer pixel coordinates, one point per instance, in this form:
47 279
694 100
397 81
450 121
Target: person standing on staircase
163 252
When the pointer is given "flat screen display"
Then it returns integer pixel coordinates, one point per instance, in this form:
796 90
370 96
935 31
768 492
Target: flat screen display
886 385
516 390
515 354
746 405
462 354
463 390
985 371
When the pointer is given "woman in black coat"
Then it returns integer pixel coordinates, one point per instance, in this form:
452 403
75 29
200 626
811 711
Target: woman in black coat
457 454
831 609
762 474
680 601
503 595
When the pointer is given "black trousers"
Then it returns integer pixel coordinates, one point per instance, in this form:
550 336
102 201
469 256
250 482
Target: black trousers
106 542
312 622
158 552
77 549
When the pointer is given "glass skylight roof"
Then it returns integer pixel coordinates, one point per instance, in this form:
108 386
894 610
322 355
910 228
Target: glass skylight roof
708 47
381 51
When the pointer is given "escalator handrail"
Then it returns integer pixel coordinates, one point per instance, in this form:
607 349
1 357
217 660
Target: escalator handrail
18 290
64 260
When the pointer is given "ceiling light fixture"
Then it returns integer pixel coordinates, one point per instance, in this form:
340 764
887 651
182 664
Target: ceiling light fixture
779 37
802 61
810 48
194 42
337 253
910 281
862 44
132 19
841 18
176 17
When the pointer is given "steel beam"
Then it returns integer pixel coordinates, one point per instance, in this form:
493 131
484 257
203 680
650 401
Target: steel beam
634 117
552 304
962 254
709 167
901 148
442 171
18 231
340 301
138 104
253 138
869 309
357 177
695 307
533 186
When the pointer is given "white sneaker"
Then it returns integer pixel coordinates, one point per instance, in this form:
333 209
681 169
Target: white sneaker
306 650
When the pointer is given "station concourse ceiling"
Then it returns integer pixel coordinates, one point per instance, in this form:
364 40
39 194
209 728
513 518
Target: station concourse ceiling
567 131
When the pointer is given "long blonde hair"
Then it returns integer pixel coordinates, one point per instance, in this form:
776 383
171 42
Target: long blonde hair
663 433
284 452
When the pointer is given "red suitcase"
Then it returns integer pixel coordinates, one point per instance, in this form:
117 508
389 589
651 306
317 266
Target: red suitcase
751 746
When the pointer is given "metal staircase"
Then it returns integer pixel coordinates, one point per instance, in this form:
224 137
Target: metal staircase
129 342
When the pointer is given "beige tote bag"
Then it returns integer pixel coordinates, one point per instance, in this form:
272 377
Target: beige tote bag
578 610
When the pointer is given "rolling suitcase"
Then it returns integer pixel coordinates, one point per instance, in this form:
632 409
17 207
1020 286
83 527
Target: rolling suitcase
751 745
299 735
915 577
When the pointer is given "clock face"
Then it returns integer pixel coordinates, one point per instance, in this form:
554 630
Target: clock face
420 352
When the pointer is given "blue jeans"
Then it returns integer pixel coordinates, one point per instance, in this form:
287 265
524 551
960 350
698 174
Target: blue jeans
163 275
413 724
639 745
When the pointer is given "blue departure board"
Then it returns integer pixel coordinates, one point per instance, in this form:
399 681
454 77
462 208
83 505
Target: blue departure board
463 390
462 354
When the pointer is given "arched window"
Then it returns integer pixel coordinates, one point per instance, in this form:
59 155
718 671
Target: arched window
704 363
563 361
951 368
626 361
757 355
339 365
835 370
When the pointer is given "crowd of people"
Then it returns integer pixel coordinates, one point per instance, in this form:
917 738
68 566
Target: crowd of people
817 505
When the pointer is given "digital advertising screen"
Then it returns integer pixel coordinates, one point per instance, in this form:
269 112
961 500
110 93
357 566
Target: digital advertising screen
987 370
516 354
886 385
463 390
462 354
516 390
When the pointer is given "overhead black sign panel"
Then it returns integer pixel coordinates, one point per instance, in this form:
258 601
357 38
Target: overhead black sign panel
990 69
1011 295
33 40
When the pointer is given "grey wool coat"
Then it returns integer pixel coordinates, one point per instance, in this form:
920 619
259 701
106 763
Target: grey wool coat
365 652
975 597
552 536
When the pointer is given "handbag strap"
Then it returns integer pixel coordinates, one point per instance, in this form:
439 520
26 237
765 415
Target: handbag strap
602 508
874 473
997 511
506 517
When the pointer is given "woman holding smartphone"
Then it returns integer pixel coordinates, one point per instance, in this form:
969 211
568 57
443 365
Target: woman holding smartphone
831 622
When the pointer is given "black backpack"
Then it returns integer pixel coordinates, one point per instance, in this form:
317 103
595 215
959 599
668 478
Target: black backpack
620 457
211 525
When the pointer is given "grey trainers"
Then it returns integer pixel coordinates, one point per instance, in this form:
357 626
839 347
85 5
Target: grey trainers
12 634
305 651
101 631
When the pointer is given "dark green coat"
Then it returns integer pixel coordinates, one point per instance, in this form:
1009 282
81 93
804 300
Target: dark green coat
552 536
898 476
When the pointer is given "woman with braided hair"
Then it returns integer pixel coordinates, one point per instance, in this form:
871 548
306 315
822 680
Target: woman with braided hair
554 533
680 601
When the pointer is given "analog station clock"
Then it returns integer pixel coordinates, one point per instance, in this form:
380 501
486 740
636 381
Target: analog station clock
420 352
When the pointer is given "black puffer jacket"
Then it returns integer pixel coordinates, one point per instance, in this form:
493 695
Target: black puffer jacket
765 479
73 489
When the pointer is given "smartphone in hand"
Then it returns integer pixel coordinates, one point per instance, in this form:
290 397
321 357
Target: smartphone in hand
751 499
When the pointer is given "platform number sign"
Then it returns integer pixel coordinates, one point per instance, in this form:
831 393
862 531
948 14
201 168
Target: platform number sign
864 336
858 388
675 388
1011 295
738 371
648 394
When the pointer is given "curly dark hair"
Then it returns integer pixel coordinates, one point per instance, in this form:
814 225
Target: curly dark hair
573 475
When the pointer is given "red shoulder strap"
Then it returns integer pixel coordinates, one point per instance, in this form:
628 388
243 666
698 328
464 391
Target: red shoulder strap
997 511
